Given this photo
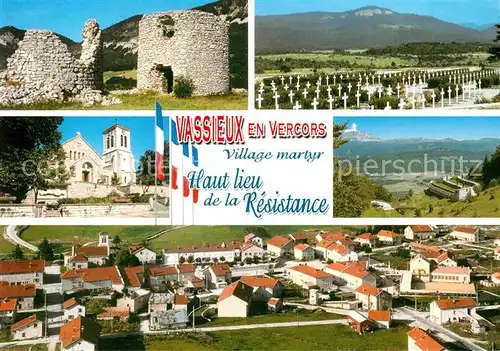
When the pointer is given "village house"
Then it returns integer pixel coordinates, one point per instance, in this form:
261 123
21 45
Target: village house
194 284
333 250
101 278
135 301
264 288
420 340
373 298
217 276
145 255
134 277
366 239
186 272
459 275
203 254
27 328
381 319
80 257
251 237
359 322
235 300
420 267
303 252
451 310
162 277
275 304
466 233
23 294
169 319
250 249
300 237
72 309
180 302
387 237
80 334
352 274
22 272
432 253
279 246
419 232
309 277
8 310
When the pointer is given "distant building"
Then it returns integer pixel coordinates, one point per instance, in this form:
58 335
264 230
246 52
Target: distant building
145 255
388 237
381 319
204 254
23 294
27 328
334 251
495 278
235 300
101 278
22 272
459 275
373 298
217 276
80 334
420 340
169 319
303 252
466 233
452 310
275 304
250 249
251 237
134 277
180 302
8 311
279 246
161 277
80 257
420 267
135 301
309 277
264 288
359 322
72 309
352 274
366 239
419 232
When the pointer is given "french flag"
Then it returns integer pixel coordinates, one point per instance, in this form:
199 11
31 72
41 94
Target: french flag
191 196
160 144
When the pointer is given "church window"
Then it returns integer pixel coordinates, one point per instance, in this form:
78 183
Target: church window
71 155
112 141
107 142
121 140
78 156
125 140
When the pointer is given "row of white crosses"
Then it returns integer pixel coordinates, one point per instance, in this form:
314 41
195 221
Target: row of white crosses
457 77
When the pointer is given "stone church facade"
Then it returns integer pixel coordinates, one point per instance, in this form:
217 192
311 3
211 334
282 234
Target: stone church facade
87 166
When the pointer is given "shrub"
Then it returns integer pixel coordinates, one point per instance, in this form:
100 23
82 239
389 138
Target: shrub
183 87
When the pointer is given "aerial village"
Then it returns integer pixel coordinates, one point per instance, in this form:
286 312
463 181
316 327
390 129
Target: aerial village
437 281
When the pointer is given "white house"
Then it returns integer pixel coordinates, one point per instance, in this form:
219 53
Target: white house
419 232
420 340
459 275
466 233
72 309
452 310
249 249
217 276
80 334
351 274
23 294
134 277
100 278
135 301
8 310
420 267
235 300
22 272
303 252
251 237
180 302
388 237
366 239
204 254
381 319
280 246
373 298
27 328
264 288
145 255
308 277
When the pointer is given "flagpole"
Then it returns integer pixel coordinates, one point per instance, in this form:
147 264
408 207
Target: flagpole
170 210
156 170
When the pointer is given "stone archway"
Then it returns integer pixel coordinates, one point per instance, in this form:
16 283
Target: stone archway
87 173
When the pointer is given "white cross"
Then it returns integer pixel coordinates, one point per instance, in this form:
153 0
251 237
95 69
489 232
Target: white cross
442 97
317 92
327 79
373 79
286 87
457 88
401 104
369 95
463 91
433 96
358 85
330 101
318 83
389 91
290 79
297 106
329 90
273 84
413 102
379 78
340 90
379 91
334 79
291 95
358 95
449 95
422 100
305 93
349 87
259 101
308 85
297 86
315 104
345 101
276 97
397 89
479 85
282 80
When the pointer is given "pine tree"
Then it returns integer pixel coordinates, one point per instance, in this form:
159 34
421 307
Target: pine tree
17 253
495 50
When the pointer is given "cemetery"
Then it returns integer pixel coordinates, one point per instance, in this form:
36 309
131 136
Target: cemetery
462 88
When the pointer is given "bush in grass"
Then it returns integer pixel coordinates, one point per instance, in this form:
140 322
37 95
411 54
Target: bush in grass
183 87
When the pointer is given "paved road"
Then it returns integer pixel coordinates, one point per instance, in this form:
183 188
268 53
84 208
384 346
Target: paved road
11 234
419 318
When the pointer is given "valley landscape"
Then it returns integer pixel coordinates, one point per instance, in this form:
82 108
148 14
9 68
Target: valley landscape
432 169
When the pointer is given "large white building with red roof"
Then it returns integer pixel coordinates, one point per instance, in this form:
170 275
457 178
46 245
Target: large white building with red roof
452 310
101 278
23 294
72 309
217 276
351 274
420 340
388 237
373 298
280 246
466 233
419 232
303 252
22 272
308 277
335 251
235 300
80 334
145 255
264 288
460 275
366 239
250 249
27 328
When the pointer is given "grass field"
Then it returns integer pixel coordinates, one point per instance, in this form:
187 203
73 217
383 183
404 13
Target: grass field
5 246
318 337
487 204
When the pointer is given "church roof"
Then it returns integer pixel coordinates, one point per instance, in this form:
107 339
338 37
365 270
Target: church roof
79 136
114 126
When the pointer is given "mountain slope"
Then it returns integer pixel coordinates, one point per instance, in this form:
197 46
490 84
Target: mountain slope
368 27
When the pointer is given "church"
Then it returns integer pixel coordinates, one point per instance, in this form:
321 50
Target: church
87 166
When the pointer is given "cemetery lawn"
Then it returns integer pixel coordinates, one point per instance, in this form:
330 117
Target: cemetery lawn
318 337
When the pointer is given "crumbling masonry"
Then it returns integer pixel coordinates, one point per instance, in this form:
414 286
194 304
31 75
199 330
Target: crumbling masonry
192 44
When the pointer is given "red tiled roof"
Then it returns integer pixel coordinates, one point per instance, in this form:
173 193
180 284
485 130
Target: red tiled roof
421 228
369 290
69 303
230 247
442 257
247 245
220 269
299 236
95 274
356 270
323 244
162 270
451 270
249 236
340 249
136 249
279 241
196 282
9 291
24 322
465 229
449 304
311 271
387 234
367 236
78 258
8 304
423 247
132 274
186 268
265 282
79 329
92 251
21 266
180 299
424 341
381 316
112 312
273 301
239 289
301 247
333 236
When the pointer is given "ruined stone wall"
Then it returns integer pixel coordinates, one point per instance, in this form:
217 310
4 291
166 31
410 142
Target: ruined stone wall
194 44
43 65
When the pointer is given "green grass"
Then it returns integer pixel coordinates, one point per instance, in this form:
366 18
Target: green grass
6 247
395 261
124 74
444 187
84 234
480 206
318 337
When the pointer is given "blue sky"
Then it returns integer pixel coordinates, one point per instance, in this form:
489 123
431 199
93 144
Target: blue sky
460 128
68 16
91 128
455 11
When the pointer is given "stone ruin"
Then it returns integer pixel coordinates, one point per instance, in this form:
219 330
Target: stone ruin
191 43
42 68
